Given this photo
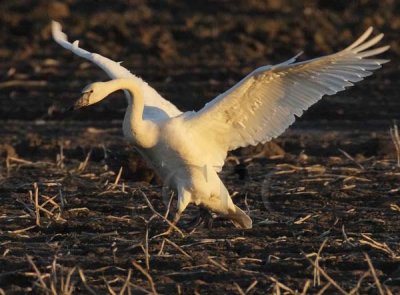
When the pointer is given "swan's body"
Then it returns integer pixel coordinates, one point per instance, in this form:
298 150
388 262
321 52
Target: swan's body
167 146
188 149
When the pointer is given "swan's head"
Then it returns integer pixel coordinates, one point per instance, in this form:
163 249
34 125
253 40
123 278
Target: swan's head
91 94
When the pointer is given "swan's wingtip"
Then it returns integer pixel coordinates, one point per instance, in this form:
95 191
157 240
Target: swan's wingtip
298 54
385 48
56 31
55 25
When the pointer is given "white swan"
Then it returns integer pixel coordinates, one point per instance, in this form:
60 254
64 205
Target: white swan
188 149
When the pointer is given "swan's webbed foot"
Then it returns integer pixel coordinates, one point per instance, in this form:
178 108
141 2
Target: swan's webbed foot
203 217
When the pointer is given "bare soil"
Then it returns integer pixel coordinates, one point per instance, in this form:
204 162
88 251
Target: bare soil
324 197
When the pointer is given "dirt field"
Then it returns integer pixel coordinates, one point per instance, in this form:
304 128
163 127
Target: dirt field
324 198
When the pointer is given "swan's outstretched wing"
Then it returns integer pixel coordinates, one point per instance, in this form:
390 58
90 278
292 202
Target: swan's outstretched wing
156 105
264 104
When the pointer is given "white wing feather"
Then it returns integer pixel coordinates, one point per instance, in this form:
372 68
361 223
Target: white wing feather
156 107
264 104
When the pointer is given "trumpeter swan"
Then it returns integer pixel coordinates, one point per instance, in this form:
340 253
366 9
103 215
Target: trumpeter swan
188 149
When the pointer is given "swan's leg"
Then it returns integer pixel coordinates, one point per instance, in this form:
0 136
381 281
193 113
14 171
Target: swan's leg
184 198
203 216
221 203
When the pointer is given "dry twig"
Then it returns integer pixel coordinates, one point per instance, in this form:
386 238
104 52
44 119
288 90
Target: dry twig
217 264
332 281
251 287
84 281
394 133
82 166
117 178
147 275
172 225
317 276
178 248
38 274
37 208
358 285
239 289
23 83
380 246
279 285
372 269
351 159
305 288
126 284
324 288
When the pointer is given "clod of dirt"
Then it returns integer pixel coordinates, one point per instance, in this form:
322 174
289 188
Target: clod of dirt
268 150
57 10
272 149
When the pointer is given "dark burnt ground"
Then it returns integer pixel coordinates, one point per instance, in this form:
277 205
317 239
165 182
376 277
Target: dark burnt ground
332 188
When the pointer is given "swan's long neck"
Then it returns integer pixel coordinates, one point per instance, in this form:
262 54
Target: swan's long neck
143 132
135 103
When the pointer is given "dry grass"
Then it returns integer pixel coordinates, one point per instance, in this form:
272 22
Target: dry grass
57 282
109 233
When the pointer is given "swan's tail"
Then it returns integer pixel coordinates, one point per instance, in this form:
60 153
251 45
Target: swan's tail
240 219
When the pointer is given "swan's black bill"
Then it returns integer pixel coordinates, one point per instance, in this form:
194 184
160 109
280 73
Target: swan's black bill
83 101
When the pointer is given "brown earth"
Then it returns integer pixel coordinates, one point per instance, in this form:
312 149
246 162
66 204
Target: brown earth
330 184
